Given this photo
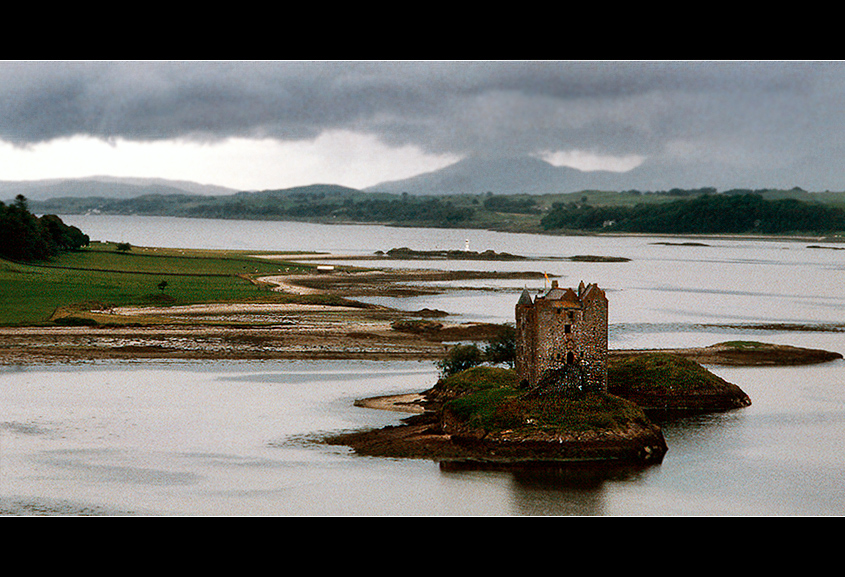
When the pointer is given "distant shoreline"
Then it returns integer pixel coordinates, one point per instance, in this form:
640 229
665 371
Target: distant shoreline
537 231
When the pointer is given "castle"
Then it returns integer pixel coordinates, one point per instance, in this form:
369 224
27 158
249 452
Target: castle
561 339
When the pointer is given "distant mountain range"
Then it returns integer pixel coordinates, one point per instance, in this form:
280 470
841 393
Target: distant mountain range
105 187
522 175
528 175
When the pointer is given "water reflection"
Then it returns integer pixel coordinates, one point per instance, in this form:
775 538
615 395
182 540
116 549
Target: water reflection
557 489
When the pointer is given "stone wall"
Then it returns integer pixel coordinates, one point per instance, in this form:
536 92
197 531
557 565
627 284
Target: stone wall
564 333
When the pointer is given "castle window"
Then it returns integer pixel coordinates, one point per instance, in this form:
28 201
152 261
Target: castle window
570 358
567 329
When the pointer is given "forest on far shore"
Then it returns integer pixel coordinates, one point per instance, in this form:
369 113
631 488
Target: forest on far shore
676 211
706 214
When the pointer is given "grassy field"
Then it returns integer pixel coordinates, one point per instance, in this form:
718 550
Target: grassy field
31 293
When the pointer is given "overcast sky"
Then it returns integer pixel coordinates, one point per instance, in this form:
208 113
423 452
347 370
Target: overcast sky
262 125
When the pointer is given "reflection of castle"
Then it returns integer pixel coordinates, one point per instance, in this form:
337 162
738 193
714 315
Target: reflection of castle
562 336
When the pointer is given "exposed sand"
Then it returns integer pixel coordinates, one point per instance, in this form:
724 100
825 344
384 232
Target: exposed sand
409 403
36 345
223 309
287 283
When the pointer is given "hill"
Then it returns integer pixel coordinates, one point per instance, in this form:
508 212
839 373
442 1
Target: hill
104 187
676 211
522 175
529 175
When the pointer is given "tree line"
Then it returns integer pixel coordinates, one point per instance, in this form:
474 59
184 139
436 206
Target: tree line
26 237
433 211
706 214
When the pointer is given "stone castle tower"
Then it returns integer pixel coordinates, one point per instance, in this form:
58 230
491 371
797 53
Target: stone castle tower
561 339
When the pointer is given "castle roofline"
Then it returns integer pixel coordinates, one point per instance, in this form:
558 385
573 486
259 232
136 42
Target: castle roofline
524 298
559 294
592 291
567 297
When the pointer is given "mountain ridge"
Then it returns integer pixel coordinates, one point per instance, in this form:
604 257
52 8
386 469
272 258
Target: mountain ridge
513 175
473 175
530 175
105 186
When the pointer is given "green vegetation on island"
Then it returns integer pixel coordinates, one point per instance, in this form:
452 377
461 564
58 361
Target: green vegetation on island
481 416
667 383
487 401
656 381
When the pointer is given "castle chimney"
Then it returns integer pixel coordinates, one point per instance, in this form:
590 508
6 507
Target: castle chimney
554 284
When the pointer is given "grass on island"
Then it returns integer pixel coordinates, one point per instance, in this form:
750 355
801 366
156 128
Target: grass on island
666 383
103 276
743 345
660 373
489 399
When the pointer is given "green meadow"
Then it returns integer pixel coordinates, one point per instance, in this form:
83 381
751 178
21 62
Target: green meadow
104 276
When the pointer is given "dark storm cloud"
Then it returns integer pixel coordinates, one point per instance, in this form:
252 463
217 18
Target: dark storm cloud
457 107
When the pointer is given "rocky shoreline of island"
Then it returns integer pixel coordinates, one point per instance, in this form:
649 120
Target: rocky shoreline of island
620 426
744 354
423 436
663 385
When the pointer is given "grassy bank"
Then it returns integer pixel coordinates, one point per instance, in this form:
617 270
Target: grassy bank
489 399
103 276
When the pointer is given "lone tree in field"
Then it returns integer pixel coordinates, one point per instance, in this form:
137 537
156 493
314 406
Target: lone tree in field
162 285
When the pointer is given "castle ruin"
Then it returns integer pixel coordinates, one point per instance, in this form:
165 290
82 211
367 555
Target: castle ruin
561 339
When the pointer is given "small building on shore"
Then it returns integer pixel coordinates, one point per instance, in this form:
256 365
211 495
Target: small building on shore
561 339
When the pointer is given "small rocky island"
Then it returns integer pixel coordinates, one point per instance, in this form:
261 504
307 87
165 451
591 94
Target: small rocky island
405 253
483 416
568 400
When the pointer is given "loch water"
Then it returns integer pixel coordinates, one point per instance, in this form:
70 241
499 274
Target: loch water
241 438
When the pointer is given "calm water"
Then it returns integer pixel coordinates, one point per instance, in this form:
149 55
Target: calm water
237 438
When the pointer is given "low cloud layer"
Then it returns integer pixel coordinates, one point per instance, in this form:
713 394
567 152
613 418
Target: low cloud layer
744 114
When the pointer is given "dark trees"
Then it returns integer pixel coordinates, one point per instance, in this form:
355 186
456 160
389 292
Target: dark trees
26 237
705 214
